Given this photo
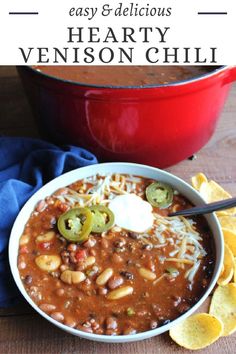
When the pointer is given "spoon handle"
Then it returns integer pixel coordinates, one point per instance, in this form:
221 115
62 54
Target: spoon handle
206 208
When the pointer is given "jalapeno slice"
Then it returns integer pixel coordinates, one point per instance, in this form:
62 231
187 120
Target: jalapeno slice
103 218
159 194
76 224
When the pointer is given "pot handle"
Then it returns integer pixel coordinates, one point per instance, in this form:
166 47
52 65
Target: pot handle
232 74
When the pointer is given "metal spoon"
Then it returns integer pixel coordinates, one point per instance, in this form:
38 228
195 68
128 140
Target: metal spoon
206 208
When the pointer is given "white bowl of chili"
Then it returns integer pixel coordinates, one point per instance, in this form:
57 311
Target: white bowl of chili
115 285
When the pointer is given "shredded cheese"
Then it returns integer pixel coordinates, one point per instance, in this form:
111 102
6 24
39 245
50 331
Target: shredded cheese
179 260
179 234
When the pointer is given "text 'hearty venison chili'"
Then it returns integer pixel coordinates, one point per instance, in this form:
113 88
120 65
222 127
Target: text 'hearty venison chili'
102 256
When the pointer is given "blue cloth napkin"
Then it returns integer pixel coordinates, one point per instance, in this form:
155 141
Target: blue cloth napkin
25 165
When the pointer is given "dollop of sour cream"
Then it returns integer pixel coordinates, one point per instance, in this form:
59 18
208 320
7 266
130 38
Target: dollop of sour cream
132 213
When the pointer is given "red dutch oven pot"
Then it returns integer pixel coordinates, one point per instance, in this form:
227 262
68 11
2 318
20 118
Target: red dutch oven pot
155 125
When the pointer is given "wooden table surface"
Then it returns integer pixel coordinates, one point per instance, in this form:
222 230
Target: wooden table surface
21 329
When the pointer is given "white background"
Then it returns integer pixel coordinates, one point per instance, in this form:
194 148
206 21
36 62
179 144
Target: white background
49 28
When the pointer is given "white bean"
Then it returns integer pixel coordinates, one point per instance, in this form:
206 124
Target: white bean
147 274
88 262
120 292
69 321
60 292
104 276
72 277
24 240
21 265
48 263
49 236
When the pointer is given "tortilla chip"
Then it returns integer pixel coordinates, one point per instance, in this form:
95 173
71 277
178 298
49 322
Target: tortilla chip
228 222
230 240
235 269
197 331
222 269
213 192
226 212
223 307
197 180
228 272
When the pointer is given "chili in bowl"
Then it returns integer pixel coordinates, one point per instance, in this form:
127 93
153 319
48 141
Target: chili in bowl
98 256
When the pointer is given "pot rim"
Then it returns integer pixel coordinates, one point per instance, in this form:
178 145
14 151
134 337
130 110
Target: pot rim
214 72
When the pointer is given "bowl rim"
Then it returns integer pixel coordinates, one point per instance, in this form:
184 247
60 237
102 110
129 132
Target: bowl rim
217 70
90 170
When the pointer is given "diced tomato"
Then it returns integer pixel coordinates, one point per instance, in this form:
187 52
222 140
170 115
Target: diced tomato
24 249
61 206
80 255
45 245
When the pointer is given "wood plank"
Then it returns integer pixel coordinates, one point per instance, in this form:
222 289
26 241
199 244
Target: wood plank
217 159
16 118
32 334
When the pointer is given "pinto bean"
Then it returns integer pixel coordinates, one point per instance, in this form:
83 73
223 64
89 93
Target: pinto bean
129 330
61 191
94 324
47 307
104 243
28 279
64 267
41 206
111 323
90 243
72 247
99 330
21 265
134 235
35 293
49 200
115 282
116 258
70 322
58 316
183 307
102 291
72 257
24 240
60 292
65 255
